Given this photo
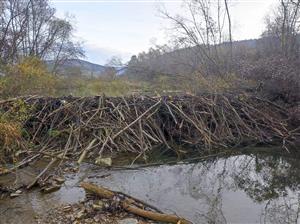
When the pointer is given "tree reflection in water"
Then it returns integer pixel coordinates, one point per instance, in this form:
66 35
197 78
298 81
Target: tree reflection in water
269 180
238 189
274 181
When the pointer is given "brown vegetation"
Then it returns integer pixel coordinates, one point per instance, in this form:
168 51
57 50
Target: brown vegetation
86 128
199 67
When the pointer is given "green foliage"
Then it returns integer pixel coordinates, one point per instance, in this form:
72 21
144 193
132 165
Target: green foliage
82 86
11 127
18 112
194 83
115 87
30 76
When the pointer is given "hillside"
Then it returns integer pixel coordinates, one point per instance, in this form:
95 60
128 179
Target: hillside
180 61
78 66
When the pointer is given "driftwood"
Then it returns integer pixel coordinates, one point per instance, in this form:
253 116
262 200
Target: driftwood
130 205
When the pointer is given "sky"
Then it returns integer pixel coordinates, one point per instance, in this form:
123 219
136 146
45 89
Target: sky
124 28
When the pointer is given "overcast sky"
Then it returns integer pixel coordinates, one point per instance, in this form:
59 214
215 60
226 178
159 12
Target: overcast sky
126 27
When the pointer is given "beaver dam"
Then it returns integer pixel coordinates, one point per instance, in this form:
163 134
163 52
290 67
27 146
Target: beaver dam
50 140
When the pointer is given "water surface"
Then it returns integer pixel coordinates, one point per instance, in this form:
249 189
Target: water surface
239 189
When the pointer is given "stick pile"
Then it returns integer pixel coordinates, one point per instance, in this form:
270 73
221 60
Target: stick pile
89 127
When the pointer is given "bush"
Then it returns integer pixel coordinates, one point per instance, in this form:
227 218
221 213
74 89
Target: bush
277 78
11 132
116 87
29 77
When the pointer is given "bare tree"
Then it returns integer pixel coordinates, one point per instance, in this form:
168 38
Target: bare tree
229 26
114 61
202 29
30 28
284 26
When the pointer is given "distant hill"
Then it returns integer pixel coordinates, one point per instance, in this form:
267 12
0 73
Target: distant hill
182 61
179 61
76 66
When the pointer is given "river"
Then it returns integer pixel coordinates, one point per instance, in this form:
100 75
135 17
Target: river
252 188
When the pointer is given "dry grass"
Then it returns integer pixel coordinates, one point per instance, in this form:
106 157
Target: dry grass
9 133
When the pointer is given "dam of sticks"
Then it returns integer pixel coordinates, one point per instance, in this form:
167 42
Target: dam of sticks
88 127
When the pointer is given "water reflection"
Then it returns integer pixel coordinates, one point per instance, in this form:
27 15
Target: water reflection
239 189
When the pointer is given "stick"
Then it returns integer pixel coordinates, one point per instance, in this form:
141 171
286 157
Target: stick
82 156
136 120
128 205
42 173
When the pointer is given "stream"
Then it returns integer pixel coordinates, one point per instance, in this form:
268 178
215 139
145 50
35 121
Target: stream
253 188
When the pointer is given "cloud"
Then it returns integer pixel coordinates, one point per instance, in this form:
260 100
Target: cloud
101 55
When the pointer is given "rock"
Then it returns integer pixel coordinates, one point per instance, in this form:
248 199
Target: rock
59 180
104 161
67 208
98 206
50 189
128 221
97 218
16 194
80 214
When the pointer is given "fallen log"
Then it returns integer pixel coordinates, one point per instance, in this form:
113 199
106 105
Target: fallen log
98 190
130 205
154 215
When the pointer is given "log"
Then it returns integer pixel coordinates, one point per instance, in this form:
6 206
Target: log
98 190
160 217
129 205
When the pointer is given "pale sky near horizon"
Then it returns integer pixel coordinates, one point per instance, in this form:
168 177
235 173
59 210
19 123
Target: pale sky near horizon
126 27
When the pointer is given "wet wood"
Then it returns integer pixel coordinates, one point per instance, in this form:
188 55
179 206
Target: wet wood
98 190
130 205
50 189
153 215
50 164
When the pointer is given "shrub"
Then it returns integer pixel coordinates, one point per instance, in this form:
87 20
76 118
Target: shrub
29 77
11 128
277 78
